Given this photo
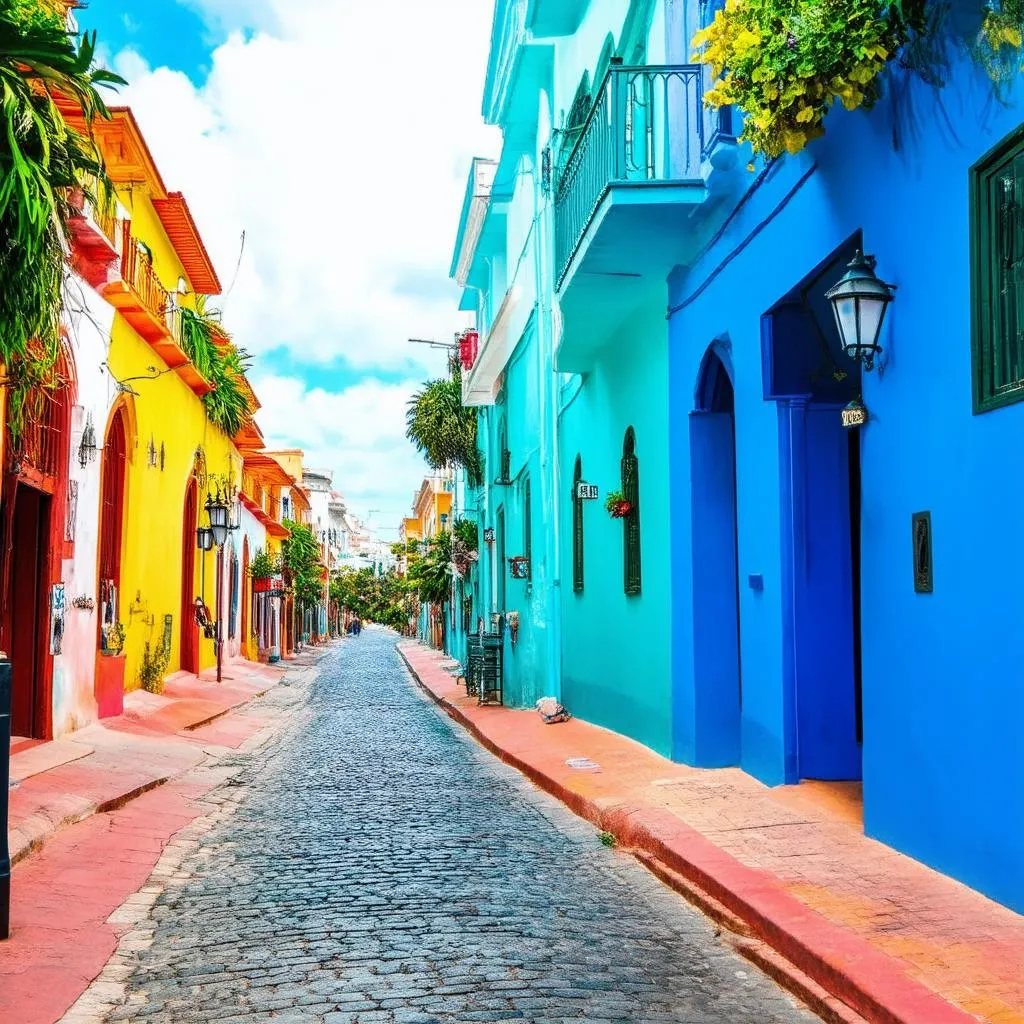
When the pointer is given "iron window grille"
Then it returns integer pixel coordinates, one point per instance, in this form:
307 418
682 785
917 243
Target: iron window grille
632 576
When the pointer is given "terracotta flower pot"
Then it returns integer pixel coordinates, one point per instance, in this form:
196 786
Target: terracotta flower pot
109 685
621 509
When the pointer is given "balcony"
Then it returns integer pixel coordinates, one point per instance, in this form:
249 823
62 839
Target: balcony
94 234
149 308
480 383
632 197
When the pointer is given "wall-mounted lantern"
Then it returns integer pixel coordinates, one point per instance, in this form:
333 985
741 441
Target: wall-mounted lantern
859 300
218 512
204 538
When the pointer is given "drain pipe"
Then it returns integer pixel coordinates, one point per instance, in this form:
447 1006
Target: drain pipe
548 432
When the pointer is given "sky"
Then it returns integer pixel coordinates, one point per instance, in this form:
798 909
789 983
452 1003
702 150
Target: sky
323 147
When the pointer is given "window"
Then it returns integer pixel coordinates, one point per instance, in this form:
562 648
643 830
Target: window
577 528
506 456
502 567
233 582
631 521
528 530
997 275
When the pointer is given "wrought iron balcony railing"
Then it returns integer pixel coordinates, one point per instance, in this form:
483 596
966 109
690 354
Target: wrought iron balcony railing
647 126
137 271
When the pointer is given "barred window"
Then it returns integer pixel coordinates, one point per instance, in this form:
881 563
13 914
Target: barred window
631 521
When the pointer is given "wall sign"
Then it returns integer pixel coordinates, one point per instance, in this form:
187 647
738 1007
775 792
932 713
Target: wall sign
489 535
855 414
585 491
57 618
921 525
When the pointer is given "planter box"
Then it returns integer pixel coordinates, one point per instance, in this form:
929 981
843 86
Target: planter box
109 685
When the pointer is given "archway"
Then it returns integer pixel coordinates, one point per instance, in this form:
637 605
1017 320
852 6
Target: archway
112 504
718 689
189 627
34 519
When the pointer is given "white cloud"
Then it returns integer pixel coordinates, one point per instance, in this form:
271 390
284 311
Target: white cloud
337 136
359 433
343 162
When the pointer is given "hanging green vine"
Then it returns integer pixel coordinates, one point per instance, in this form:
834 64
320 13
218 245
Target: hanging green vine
41 160
224 365
302 566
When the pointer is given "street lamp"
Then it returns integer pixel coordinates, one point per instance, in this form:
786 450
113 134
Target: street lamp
223 518
218 512
859 301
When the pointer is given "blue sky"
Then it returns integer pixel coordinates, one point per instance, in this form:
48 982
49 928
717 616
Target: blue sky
327 180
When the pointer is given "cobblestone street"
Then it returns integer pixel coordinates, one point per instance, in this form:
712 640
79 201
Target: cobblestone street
373 865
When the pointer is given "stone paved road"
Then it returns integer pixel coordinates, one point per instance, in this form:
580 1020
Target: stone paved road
381 868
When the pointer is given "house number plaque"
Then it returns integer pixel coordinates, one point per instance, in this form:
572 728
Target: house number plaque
855 415
586 492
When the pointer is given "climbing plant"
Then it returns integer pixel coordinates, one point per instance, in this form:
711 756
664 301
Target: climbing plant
41 160
786 63
222 364
301 563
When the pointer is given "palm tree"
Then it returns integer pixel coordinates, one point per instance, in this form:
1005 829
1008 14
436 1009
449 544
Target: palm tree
443 429
41 157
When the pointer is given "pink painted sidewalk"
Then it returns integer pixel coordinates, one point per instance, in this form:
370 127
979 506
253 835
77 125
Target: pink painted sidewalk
878 931
158 737
90 817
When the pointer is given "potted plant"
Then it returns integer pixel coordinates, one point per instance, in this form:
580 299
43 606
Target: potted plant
108 687
617 505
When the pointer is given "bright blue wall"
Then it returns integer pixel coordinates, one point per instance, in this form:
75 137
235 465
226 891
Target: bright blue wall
615 649
943 704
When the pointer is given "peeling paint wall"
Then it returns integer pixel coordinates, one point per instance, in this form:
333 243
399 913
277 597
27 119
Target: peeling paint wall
88 319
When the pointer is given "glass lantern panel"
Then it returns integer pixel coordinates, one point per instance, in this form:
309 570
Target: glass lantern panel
846 320
871 313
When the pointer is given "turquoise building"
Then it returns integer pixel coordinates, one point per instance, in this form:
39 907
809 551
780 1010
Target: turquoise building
792 591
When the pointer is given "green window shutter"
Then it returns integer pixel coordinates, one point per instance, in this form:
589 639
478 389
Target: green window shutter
631 521
997 275
577 528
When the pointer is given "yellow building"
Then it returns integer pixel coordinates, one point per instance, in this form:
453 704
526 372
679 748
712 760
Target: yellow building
163 458
432 508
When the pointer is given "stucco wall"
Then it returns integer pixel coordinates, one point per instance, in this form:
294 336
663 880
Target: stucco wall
88 320
941 701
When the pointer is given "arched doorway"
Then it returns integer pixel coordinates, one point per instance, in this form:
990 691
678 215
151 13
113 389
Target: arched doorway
112 503
717 684
189 628
33 517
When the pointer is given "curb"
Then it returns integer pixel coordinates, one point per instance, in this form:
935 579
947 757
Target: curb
832 970
34 844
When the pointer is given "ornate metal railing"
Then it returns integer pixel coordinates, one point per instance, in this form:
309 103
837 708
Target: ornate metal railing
647 125
137 271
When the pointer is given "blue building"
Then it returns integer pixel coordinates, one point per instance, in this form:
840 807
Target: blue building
788 593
